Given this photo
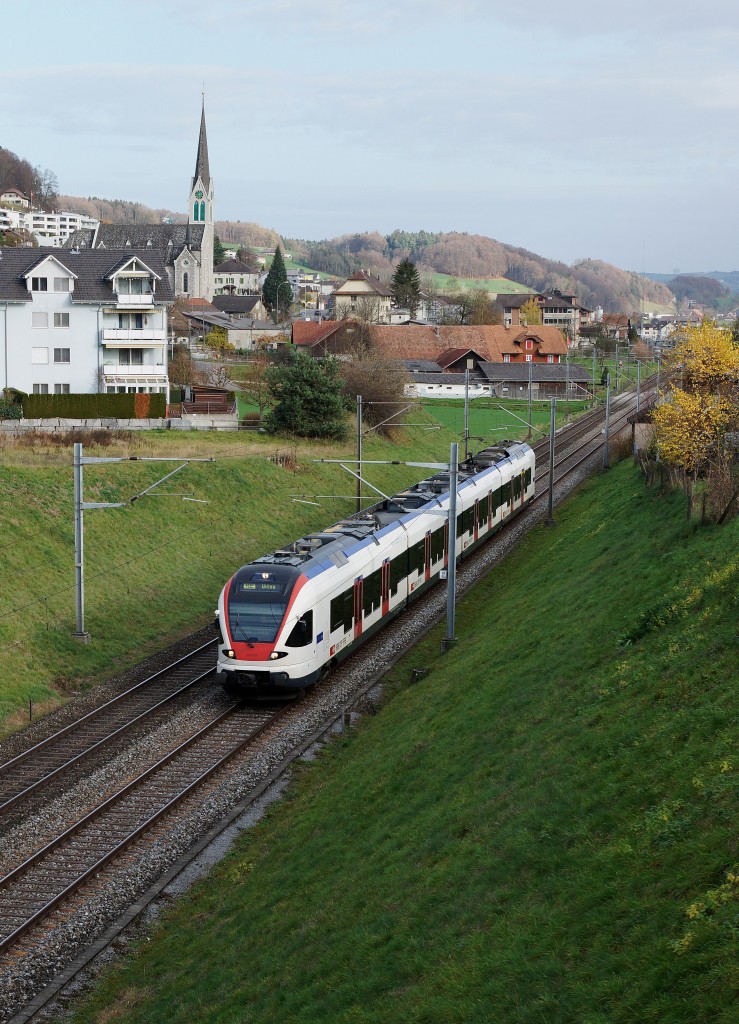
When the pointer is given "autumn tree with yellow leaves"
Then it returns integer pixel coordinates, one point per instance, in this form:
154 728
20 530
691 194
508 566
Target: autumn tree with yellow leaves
692 422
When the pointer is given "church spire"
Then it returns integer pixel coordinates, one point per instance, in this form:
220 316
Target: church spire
202 169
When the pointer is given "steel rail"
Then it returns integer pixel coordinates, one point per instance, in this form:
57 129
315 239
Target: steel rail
12 937
94 718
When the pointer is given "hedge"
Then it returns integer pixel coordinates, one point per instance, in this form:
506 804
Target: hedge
10 411
95 407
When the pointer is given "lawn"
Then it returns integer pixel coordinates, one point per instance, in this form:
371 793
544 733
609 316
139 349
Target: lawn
153 570
494 420
540 831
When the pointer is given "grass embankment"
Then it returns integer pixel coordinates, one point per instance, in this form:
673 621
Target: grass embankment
541 830
493 419
152 570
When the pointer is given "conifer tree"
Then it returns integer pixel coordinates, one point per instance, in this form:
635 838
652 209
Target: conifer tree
276 291
406 286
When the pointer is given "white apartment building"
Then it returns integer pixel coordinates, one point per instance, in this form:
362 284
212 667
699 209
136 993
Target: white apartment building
83 322
49 229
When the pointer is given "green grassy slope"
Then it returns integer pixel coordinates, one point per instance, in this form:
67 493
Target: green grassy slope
154 569
541 830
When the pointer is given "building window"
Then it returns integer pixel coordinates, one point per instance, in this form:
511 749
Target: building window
61 389
529 358
186 282
61 284
61 319
506 359
130 321
529 345
195 211
61 355
39 284
202 211
39 355
39 319
40 389
550 359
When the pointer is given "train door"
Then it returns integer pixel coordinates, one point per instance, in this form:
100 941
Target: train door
477 519
523 488
427 556
490 510
446 543
385 586
358 606
511 499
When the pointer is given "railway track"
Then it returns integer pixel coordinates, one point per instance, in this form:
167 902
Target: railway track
45 761
52 874
53 880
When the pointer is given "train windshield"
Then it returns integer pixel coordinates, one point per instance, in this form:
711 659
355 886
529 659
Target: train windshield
257 602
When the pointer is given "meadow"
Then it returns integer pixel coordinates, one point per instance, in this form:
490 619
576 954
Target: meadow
541 830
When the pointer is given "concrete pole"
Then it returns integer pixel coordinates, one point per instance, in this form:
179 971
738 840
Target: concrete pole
531 374
359 453
608 420
638 385
466 412
550 497
79 556
567 386
451 583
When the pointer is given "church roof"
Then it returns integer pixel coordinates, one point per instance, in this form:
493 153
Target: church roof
166 239
202 169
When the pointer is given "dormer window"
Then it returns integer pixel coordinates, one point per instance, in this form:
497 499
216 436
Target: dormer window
134 286
61 284
39 284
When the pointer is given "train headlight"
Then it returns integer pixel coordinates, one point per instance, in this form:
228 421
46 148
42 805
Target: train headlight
274 656
230 654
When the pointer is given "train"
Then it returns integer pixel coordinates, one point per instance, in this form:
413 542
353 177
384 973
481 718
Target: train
287 617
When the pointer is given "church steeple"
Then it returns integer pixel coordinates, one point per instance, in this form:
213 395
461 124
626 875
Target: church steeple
202 170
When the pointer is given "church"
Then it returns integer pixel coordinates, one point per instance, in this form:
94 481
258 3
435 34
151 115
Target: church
185 249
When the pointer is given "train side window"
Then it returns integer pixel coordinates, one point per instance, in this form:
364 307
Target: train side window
528 477
372 592
301 634
417 559
483 509
437 545
398 572
342 610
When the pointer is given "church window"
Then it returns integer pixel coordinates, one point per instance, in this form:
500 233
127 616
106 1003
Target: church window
195 214
202 211
186 282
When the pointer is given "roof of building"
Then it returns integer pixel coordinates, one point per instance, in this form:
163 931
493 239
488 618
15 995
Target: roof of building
202 168
233 266
540 372
452 355
492 342
92 269
415 366
446 378
362 275
167 239
309 332
236 303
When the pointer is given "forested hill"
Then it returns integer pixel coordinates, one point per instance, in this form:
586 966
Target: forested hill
457 254
462 255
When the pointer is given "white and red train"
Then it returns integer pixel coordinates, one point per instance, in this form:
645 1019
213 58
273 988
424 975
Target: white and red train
285 618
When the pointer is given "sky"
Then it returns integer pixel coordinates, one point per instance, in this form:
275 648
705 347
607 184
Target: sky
572 129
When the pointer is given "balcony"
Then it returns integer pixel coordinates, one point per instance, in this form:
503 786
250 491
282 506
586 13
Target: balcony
157 370
130 301
146 337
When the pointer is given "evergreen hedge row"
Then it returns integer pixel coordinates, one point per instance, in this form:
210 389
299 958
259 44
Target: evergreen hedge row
10 411
94 407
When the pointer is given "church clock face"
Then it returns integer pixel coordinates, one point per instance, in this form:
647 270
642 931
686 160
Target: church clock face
198 194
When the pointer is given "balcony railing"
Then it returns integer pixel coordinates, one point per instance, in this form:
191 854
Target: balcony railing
133 335
134 370
143 299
